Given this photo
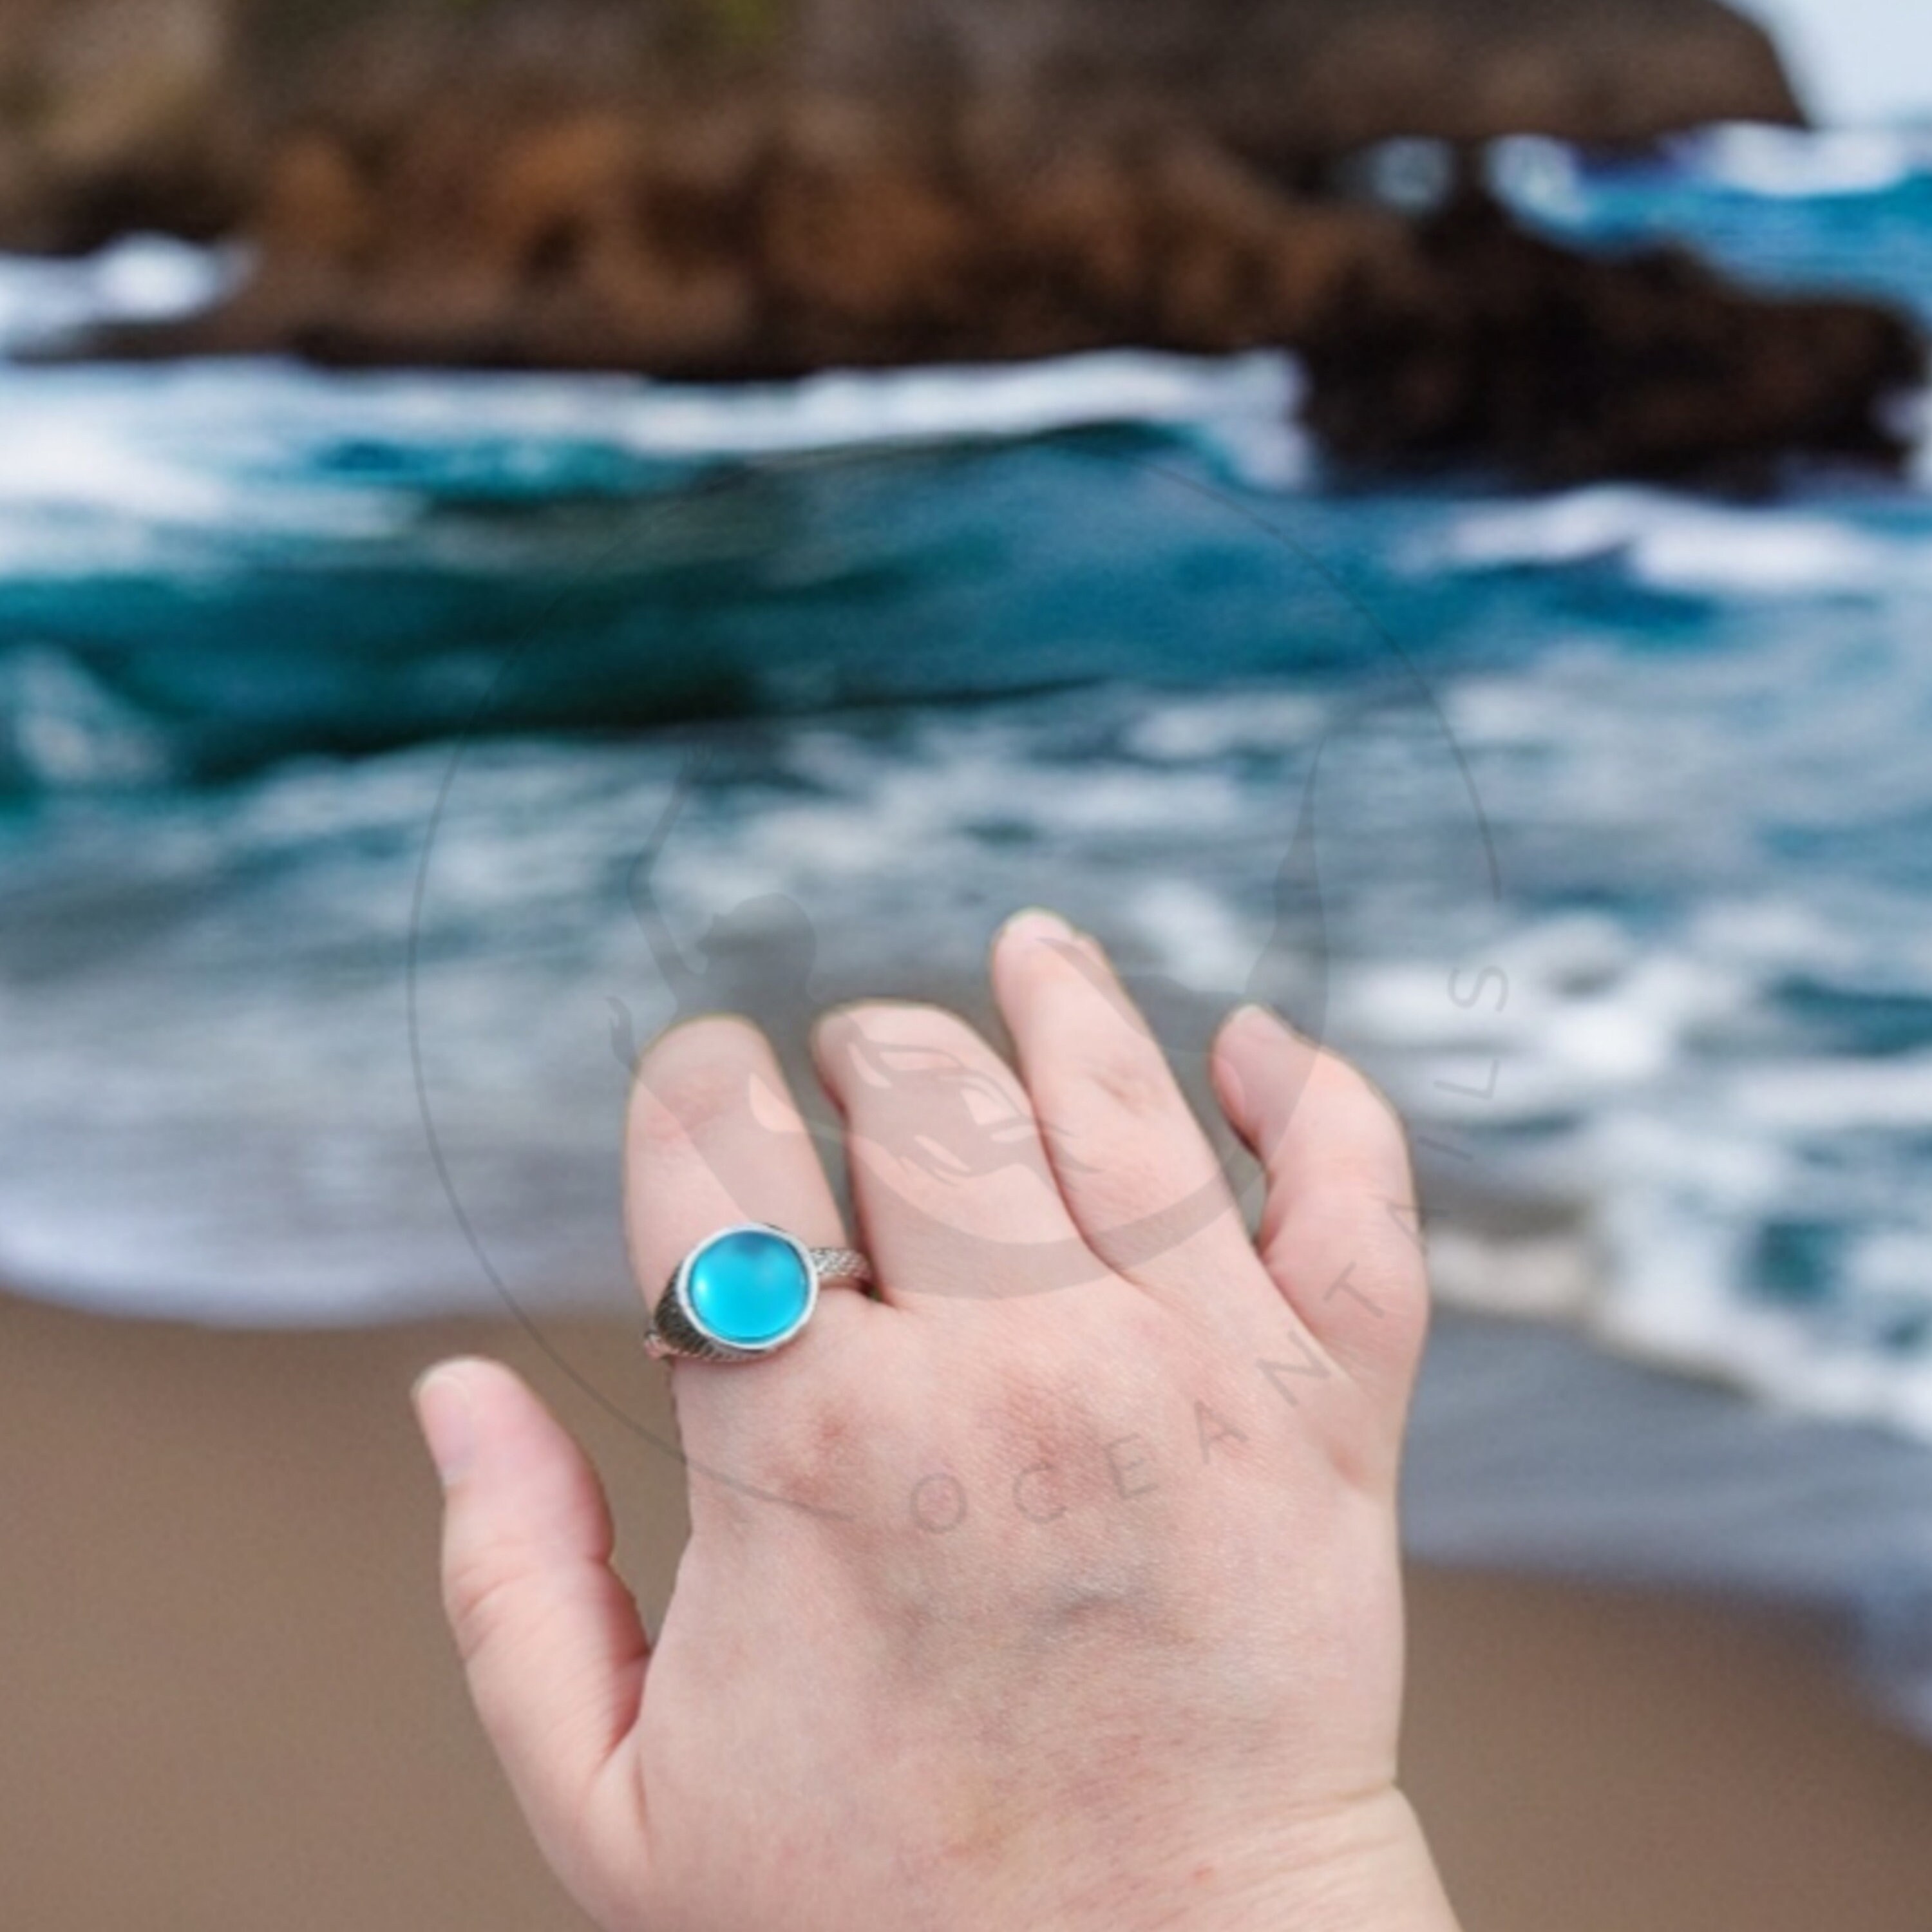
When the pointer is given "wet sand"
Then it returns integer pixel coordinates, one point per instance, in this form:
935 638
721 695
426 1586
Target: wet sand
229 1701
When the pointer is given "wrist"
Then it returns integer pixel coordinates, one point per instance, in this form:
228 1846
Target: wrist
1365 1867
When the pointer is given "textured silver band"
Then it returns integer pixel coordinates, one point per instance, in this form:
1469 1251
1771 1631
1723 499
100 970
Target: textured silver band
670 1332
841 1264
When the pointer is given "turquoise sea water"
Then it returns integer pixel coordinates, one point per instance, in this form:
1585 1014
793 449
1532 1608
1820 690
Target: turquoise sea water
1623 804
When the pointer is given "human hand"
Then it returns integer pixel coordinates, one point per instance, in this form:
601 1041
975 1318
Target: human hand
1056 1587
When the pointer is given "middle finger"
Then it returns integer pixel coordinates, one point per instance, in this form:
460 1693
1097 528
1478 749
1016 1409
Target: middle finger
949 1178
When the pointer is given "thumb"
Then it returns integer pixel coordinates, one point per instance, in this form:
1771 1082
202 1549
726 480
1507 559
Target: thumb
549 1636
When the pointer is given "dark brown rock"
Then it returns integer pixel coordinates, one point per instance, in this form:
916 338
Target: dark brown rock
733 188
177 112
1499 344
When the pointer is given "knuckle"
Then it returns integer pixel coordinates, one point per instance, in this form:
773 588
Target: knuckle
817 1445
909 1074
1349 1256
910 1026
1390 1284
1038 1414
688 1083
1134 1085
1337 1080
480 1596
813 1449
885 1046
1128 1075
1369 1175
1366 1145
1135 1191
1340 1087
1382 1293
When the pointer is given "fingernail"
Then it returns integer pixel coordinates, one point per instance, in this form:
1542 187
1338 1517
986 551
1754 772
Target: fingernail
845 1016
818 1035
1270 1021
1031 923
448 1422
1260 1019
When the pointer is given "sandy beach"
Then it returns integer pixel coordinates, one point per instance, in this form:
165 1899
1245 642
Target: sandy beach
230 1703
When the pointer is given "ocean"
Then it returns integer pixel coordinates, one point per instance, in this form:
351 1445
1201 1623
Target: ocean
336 713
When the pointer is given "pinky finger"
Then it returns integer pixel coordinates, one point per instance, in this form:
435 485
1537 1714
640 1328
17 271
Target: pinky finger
1340 1231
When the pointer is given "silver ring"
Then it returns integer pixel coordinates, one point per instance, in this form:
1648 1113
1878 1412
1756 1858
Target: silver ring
744 1292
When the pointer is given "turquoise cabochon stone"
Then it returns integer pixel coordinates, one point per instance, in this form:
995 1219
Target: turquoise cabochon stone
748 1287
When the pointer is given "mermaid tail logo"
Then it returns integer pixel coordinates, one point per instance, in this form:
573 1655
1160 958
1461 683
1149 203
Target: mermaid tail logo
971 1126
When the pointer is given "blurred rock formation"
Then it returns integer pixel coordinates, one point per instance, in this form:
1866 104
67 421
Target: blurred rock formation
728 188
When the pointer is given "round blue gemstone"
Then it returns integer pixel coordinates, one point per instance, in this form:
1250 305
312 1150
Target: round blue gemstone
748 1287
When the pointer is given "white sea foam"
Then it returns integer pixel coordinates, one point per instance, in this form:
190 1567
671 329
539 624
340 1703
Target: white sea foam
1245 404
1248 402
143 278
141 470
1208 726
106 469
1651 1072
1542 178
1568 1052
1249 399
1191 934
1796 164
59 726
1838 1095
259 1025
1640 1059
1684 545
1551 181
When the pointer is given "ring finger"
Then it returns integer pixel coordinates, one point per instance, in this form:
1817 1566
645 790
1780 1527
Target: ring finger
714 1140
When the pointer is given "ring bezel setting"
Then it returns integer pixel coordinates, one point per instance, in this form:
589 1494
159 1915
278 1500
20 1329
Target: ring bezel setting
678 1328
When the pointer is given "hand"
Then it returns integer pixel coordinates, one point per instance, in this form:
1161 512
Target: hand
1057 1587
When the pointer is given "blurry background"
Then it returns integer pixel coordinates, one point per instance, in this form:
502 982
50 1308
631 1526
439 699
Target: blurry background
881 466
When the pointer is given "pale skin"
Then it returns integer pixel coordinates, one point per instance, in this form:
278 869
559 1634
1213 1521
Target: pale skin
1055 1586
